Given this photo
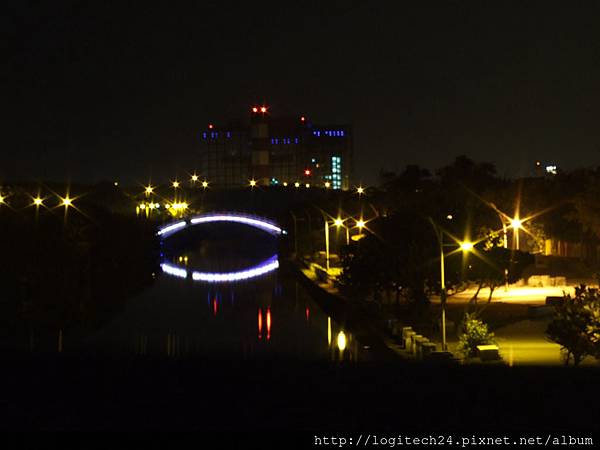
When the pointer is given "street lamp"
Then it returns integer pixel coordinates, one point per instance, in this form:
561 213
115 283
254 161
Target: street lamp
175 184
516 225
205 184
194 178
360 190
66 202
149 190
252 183
339 222
465 246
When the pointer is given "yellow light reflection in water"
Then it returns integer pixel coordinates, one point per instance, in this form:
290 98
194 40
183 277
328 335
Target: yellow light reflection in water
341 341
329 331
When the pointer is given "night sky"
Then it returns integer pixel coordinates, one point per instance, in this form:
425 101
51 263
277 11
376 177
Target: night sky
99 91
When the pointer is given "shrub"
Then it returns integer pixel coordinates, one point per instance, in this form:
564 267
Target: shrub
474 333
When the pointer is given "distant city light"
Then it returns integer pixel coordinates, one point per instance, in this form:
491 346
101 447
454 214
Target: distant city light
263 109
327 184
552 170
2 199
307 172
307 185
252 182
194 178
38 201
449 217
254 109
296 184
66 202
149 190
210 126
360 190
302 118
205 184
116 183
175 184
285 183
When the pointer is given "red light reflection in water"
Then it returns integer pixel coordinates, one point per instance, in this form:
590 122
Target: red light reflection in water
259 323
268 323
215 306
307 313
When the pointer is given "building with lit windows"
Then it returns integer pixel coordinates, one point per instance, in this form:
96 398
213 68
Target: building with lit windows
276 151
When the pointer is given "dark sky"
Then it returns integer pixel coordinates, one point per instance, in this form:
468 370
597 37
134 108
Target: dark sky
101 91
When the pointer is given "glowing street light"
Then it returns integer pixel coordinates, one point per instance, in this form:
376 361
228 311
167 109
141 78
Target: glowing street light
360 223
296 184
37 201
466 246
252 182
327 184
516 223
194 178
205 184
175 184
66 202
360 190
339 222
2 200
149 189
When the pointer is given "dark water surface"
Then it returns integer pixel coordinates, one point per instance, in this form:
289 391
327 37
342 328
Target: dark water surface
270 316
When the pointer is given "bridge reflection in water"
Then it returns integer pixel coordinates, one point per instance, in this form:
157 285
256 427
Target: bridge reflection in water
253 312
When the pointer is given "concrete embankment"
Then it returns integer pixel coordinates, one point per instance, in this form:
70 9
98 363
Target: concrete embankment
350 315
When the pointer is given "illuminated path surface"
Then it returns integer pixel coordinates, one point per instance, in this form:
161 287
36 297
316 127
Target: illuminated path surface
525 343
519 295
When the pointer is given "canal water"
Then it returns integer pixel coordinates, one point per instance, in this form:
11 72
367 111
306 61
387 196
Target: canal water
222 294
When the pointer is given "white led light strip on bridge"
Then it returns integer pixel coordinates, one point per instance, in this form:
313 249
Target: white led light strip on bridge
253 222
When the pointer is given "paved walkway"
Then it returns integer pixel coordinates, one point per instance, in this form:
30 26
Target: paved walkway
515 294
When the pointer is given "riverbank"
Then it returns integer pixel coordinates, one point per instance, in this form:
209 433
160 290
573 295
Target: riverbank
351 315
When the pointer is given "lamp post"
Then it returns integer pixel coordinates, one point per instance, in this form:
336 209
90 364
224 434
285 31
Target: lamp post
516 225
340 223
465 246
327 244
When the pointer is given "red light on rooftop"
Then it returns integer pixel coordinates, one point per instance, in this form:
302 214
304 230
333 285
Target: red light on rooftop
302 118
254 109
210 126
307 172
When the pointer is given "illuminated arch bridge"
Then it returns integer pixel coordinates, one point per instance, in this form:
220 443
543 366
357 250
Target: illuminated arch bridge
252 221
